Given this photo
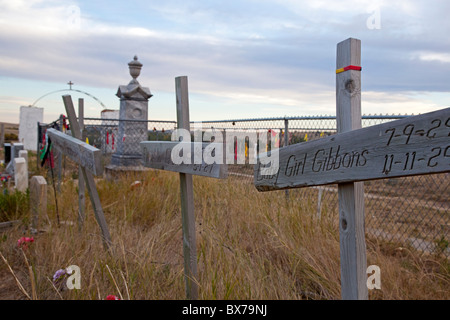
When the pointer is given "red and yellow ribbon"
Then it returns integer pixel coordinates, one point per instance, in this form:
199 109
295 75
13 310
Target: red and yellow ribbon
350 67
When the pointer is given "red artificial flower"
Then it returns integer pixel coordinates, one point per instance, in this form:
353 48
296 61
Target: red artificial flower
112 297
24 241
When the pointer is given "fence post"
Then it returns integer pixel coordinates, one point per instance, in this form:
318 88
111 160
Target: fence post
319 203
351 195
286 143
81 183
60 155
37 147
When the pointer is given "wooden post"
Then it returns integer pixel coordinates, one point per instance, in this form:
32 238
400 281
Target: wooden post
37 147
88 177
81 183
156 154
351 195
407 147
286 143
383 151
187 197
60 156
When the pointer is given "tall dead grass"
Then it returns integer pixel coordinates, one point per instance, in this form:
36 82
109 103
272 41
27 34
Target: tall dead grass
250 245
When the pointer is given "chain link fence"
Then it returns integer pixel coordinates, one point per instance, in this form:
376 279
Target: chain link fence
409 211
104 134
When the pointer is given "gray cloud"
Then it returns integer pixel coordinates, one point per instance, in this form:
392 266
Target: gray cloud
283 49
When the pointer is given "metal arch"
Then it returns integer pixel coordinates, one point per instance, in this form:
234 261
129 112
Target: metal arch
81 91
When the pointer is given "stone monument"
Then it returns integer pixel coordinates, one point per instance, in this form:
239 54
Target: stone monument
15 150
29 118
133 116
20 174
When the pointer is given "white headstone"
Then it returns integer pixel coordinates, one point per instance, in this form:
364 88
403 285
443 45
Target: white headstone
110 114
20 174
110 131
15 149
29 117
23 154
38 201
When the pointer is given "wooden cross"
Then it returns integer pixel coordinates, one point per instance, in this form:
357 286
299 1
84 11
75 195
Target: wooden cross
89 160
158 155
411 146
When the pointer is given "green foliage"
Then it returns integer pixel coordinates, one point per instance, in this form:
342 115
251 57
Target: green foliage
14 205
159 136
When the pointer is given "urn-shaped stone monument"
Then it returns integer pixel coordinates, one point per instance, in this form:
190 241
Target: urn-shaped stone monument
133 119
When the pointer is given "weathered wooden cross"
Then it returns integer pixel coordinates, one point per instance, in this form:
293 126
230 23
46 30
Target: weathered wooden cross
411 146
89 160
158 155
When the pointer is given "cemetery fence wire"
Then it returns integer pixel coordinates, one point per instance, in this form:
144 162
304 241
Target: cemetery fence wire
410 211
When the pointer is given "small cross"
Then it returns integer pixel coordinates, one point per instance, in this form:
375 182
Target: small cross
70 83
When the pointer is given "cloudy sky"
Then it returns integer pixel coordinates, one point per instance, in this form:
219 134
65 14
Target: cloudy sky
243 59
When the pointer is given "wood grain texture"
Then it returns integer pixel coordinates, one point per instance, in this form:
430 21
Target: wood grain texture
81 182
351 194
78 151
412 146
88 177
157 155
187 197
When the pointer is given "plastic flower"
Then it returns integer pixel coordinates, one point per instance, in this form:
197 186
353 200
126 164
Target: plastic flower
112 297
58 275
24 241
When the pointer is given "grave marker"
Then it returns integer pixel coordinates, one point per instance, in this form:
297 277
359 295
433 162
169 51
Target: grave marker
187 197
81 183
7 148
158 155
20 174
38 201
16 148
89 159
133 115
29 117
351 194
411 146
78 151
23 154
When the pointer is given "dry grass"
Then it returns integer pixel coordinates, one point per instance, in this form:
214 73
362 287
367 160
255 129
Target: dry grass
250 245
